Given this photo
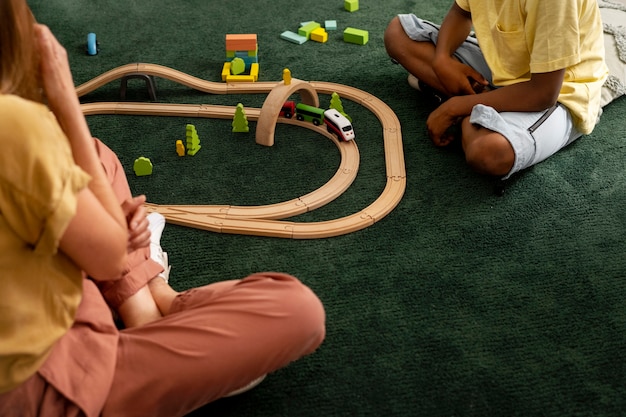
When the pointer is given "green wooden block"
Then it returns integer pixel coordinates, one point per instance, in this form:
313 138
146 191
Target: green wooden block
306 30
357 36
351 5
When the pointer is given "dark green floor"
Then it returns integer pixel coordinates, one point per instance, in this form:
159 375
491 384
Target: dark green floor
459 303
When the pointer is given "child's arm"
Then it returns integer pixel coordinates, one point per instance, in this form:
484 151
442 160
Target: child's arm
536 94
455 76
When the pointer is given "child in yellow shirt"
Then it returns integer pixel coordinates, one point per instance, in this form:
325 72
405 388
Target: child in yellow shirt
527 85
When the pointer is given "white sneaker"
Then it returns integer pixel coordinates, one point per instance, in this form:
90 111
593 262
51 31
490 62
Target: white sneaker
156 225
247 387
414 82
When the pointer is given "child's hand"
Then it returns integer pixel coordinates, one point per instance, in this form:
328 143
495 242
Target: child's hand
439 123
458 78
138 232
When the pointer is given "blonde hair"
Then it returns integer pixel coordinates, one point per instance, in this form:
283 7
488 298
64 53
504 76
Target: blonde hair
19 57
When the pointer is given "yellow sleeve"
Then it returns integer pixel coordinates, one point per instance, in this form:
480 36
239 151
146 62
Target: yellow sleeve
39 180
463 4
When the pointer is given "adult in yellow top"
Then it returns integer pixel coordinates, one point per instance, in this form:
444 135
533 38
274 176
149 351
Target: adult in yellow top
39 183
76 245
525 86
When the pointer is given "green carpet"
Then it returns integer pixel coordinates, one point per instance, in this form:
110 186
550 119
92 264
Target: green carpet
459 302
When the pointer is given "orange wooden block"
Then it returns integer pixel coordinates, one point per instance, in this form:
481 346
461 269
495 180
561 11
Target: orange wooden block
241 42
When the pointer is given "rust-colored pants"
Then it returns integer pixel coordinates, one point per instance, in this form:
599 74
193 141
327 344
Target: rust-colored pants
216 339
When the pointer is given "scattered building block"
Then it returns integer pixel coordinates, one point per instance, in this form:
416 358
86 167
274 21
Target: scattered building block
293 37
319 35
330 25
308 28
357 36
180 148
351 5
142 166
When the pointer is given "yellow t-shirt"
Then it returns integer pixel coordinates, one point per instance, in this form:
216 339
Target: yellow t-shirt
520 37
40 288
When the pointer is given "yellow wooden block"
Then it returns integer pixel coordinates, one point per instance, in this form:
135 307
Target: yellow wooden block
319 35
254 71
225 71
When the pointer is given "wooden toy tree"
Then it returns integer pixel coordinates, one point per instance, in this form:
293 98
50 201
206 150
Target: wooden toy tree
142 166
193 142
180 148
335 103
240 121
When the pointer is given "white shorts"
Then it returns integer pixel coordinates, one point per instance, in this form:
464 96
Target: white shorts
534 136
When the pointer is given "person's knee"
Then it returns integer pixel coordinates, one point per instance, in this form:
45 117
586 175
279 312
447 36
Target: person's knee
392 36
486 151
300 305
313 316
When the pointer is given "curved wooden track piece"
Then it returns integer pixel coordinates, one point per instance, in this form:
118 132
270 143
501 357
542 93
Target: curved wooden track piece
264 220
273 104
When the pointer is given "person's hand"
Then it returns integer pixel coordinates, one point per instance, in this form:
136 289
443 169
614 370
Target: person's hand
138 232
439 123
56 77
458 78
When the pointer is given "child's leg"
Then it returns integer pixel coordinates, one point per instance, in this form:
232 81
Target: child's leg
214 340
411 42
526 137
129 296
415 57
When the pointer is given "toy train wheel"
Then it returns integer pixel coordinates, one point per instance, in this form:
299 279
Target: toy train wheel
288 115
316 122
92 44
299 117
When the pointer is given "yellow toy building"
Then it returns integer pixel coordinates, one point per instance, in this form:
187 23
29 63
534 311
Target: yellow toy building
242 53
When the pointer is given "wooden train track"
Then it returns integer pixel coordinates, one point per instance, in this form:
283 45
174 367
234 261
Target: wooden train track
267 220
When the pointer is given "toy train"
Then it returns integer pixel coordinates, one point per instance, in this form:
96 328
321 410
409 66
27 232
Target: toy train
335 122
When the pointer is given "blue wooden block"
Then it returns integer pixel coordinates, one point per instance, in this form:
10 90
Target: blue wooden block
330 25
293 37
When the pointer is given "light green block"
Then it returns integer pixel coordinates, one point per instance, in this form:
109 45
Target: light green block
308 28
357 36
351 5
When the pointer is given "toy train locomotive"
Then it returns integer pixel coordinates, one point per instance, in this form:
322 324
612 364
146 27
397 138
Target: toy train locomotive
335 122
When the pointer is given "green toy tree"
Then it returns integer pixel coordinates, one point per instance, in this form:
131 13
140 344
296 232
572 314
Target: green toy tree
335 103
193 142
240 121
142 166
